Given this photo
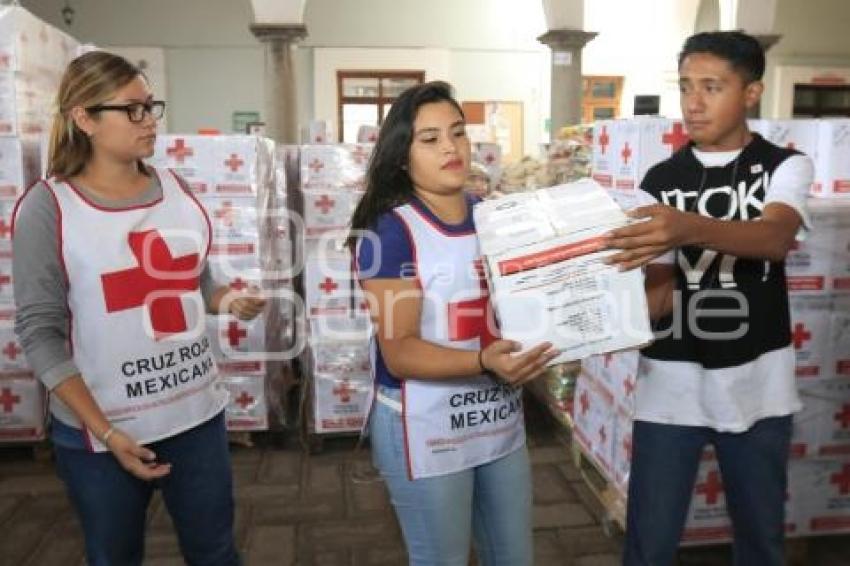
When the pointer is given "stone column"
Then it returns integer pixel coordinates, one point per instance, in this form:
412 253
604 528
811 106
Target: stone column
566 45
281 105
766 41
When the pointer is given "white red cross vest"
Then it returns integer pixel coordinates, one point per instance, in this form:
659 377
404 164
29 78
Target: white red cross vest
452 425
137 315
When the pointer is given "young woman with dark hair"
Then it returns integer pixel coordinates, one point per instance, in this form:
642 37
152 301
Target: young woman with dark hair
447 427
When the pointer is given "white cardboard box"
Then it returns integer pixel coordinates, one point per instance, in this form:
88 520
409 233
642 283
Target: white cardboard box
832 168
22 408
594 421
639 144
544 255
247 408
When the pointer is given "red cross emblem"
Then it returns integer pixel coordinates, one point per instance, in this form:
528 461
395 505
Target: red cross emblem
800 335
607 359
12 350
243 400
470 319
359 154
328 286
5 229
604 140
626 153
344 391
843 416
8 400
584 401
676 138
5 60
627 447
157 272
489 158
238 284
180 151
226 213
234 163
841 479
325 203
4 279
234 333
316 165
711 489
629 385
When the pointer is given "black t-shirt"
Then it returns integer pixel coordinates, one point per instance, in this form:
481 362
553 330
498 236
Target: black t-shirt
729 310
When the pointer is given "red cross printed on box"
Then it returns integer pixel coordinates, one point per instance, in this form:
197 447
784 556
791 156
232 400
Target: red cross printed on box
11 350
842 480
711 489
234 162
243 400
584 401
238 284
4 280
627 447
604 140
629 385
5 229
800 335
234 333
316 165
469 319
843 416
5 60
359 153
489 157
158 273
676 138
626 153
325 203
180 151
607 358
8 400
328 286
225 213
344 391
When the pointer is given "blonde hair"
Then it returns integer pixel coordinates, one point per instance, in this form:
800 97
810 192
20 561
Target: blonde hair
90 79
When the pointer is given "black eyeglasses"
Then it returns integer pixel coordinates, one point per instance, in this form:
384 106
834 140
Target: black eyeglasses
136 111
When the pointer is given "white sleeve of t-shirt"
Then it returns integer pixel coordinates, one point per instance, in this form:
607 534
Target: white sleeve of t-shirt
790 185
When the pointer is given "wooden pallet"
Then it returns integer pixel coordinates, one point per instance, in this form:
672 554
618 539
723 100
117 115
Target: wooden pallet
610 498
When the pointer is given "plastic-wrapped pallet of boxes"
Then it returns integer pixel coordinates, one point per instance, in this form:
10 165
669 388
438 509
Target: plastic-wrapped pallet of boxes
335 360
818 271
33 56
237 181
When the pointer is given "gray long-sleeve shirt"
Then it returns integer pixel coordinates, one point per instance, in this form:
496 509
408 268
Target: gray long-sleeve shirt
41 295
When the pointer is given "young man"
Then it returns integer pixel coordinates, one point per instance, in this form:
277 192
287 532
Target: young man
721 371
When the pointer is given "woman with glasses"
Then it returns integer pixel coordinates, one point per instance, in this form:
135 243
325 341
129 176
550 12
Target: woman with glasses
111 286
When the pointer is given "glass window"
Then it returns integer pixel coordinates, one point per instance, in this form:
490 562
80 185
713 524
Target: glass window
394 86
357 87
356 115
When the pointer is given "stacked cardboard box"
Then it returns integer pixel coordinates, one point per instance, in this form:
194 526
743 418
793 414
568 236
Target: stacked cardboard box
33 56
336 329
237 181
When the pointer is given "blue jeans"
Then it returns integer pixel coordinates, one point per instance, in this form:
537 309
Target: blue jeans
440 516
754 470
198 494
